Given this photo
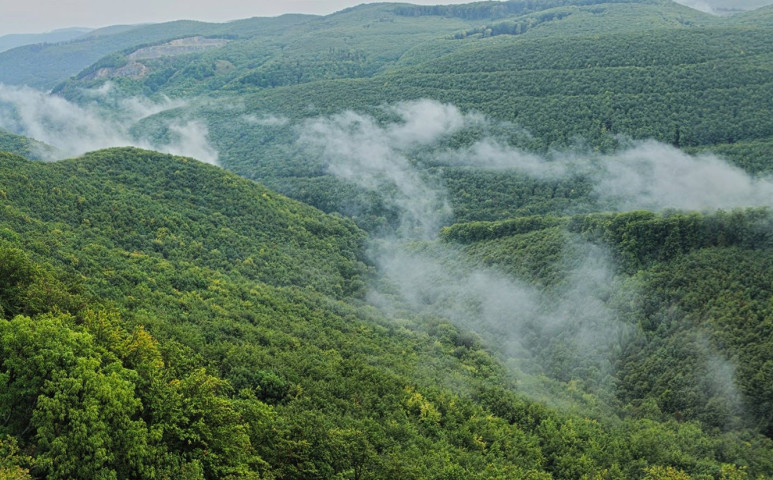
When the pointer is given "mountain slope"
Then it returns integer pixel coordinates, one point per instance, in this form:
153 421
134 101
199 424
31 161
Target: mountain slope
232 332
700 294
26 147
187 357
560 73
262 234
761 18
45 66
370 39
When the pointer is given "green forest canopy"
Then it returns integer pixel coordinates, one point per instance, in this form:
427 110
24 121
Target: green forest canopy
225 329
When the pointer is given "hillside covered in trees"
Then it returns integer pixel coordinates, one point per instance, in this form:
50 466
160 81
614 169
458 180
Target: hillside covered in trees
521 239
547 76
220 328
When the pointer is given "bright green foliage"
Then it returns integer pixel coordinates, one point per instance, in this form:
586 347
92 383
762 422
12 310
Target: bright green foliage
11 461
256 232
700 294
326 370
71 401
90 416
209 369
665 473
165 319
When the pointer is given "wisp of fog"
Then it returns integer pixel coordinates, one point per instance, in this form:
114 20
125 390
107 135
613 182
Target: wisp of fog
644 175
104 122
578 316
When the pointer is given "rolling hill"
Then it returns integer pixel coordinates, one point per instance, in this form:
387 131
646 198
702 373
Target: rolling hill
521 239
559 73
24 146
165 292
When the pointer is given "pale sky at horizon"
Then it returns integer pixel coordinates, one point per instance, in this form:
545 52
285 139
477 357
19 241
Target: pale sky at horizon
37 16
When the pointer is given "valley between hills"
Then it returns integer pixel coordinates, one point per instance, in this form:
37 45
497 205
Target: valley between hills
497 240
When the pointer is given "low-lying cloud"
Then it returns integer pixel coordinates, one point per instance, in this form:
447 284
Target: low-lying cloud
389 156
75 129
572 329
655 176
644 175
190 139
386 156
378 157
525 323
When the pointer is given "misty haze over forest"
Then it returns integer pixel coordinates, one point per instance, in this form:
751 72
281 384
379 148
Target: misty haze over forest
711 6
491 240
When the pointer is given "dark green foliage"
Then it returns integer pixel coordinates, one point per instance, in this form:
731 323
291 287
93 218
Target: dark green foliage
643 238
478 231
209 369
17 275
26 288
753 156
640 85
477 194
221 327
723 293
701 301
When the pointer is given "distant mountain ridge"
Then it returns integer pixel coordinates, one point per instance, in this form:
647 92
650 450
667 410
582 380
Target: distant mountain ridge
225 325
14 40
489 242
44 65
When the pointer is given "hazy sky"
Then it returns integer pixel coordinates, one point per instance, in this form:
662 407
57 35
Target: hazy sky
36 16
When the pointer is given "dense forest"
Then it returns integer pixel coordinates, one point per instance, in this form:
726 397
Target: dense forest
162 300
521 239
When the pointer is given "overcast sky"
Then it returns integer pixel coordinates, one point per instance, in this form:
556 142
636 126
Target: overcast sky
37 16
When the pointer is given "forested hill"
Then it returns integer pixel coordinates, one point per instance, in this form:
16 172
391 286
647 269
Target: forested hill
371 39
185 320
357 41
219 217
521 239
558 74
45 65
24 146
